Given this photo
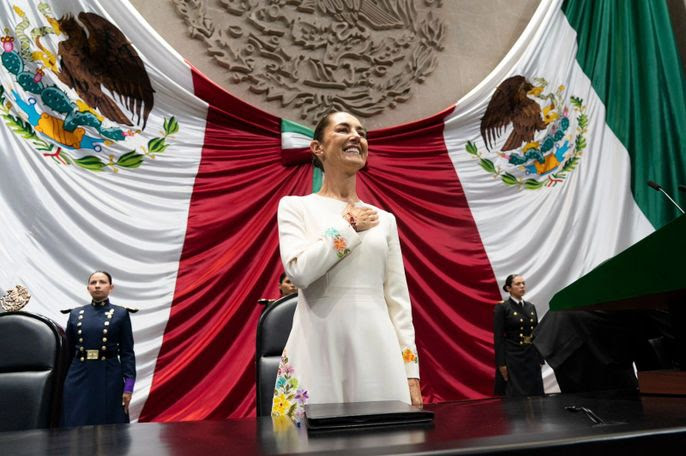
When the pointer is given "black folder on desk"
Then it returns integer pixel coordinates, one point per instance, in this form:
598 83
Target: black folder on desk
354 415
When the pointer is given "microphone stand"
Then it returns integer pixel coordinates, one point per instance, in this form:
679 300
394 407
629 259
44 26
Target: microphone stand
659 188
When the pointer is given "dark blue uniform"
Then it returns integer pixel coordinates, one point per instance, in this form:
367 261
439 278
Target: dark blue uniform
513 327
101 342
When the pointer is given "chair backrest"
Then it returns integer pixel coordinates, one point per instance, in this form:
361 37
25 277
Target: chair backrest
272 334
32 366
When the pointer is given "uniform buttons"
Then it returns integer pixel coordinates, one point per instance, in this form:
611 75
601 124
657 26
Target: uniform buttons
81 311
78 324
104 339
80 317
82 359
521 320
103 358
104 331
80 348
78 332
521 328
103 348
107 323
514 313
521 335
531 320
80 339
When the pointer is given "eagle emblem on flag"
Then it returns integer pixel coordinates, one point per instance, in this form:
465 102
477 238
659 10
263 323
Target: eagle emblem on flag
63 100
531 138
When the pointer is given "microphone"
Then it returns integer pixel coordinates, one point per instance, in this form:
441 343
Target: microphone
654 185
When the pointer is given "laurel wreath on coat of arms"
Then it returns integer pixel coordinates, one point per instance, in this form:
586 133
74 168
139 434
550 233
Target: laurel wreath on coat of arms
61 108
547 136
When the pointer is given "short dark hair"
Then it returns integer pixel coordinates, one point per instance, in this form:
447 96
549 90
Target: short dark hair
109 276
319 134
508 282
282 277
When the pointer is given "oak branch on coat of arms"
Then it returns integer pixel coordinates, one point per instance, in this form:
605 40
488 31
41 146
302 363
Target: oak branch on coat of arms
98 63
541 148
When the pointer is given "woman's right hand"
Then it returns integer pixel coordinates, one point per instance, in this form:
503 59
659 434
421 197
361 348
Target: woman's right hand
503 372
361 218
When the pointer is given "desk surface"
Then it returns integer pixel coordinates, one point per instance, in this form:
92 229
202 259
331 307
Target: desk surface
538 425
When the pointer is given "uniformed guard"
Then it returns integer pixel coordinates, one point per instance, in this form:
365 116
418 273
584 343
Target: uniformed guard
518 363
102 373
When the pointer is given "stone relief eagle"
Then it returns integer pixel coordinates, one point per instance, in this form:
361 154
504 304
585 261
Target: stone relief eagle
377 16
96 54
511 104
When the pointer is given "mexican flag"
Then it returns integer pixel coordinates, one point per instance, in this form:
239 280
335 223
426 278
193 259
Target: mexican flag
179 204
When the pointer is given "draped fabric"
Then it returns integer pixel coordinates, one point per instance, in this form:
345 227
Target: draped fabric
183 212
623 106
642 85
67 211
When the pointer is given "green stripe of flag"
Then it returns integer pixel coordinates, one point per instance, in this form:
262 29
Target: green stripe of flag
288 126
296 136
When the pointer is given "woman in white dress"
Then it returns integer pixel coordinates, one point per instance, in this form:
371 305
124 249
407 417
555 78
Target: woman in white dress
352 338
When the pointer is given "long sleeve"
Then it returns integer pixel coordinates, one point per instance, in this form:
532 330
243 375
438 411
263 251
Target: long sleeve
307 258
71 340
498 334
126 353
397 298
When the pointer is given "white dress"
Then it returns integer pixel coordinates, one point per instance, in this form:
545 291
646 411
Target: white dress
352 338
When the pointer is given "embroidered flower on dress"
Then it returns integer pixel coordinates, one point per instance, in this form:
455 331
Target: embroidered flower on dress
280 405
285 369
410 356
301 396
340 245
289 399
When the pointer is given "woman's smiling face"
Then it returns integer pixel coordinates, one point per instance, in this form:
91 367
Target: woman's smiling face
343 145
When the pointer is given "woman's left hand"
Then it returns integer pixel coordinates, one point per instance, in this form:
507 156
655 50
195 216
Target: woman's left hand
415 392
125 401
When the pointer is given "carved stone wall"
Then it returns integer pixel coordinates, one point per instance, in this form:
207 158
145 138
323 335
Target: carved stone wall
359 56
394 61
